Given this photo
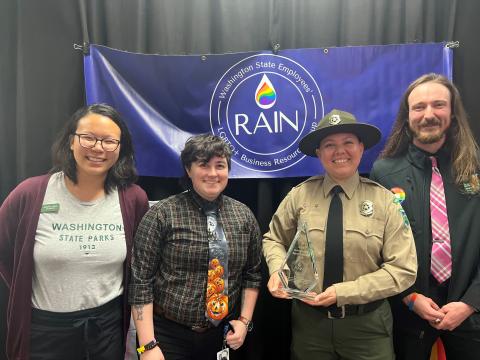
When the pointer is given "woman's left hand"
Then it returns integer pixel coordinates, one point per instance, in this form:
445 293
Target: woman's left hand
236 337
326 298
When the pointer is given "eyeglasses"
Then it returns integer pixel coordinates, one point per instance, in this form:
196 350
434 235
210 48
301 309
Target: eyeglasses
89 142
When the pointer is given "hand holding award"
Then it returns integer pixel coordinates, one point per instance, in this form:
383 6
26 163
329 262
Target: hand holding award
298 272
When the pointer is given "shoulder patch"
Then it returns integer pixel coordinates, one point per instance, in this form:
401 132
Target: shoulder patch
406 222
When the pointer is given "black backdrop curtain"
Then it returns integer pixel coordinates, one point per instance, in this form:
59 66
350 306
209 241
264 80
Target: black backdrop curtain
41 76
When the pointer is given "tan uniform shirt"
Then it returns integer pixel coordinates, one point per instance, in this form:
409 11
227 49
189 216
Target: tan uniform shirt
378 249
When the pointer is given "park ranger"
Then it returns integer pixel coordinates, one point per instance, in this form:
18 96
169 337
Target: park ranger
362 242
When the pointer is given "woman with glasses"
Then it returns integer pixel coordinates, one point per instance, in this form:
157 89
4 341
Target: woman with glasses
65 244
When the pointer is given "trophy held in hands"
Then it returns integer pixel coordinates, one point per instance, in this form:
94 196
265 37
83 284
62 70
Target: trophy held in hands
299 272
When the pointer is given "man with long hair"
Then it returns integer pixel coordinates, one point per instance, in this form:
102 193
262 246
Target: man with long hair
431 163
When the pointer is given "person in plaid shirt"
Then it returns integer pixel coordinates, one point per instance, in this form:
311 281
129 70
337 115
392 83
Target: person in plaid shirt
170 265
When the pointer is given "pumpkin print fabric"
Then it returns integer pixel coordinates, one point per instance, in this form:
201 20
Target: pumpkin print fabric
216 307
217 299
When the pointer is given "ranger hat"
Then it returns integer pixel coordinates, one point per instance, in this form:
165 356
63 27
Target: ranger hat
337 121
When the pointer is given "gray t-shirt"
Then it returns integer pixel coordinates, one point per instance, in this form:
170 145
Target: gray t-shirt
79 250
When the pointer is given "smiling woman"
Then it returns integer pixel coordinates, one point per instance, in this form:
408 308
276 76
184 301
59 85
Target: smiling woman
64 275
343 212
94 161
206 276
340 155
209 178
74 154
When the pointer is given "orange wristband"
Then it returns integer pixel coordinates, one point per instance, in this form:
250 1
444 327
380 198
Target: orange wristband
411 302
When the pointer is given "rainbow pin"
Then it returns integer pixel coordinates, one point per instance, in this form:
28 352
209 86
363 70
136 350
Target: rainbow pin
399 194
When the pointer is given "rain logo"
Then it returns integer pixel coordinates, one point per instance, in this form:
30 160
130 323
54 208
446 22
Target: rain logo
265 95
261 106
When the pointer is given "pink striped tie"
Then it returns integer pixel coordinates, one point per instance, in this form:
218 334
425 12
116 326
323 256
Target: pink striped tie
441 266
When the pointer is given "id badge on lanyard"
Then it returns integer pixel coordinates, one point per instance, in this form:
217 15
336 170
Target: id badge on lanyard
224 354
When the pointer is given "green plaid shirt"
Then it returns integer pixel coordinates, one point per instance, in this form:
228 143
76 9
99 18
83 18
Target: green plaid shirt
170 256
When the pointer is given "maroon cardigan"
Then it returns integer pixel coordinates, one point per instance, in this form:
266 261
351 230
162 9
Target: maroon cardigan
19 215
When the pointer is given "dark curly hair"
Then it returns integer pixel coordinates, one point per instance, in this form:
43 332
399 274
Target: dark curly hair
121 174
202 147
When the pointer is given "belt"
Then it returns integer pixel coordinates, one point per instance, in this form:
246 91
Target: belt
340 312
157 310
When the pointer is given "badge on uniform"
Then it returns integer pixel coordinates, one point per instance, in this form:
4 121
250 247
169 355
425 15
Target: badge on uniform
334 119
366 208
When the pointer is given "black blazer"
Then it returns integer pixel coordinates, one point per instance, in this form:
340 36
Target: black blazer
412 173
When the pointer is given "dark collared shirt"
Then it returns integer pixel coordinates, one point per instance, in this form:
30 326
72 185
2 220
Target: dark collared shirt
170 255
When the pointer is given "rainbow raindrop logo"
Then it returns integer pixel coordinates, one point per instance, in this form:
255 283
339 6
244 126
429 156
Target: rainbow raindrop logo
265 95
261 107
399 194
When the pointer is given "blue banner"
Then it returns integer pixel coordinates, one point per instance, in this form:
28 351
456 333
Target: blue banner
260 103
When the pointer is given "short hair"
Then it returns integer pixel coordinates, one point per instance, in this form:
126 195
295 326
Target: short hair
121 174
459 136
203 147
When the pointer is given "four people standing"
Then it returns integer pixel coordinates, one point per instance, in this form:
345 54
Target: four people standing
431 162
196 268
363 248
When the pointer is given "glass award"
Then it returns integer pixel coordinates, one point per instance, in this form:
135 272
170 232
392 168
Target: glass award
299 272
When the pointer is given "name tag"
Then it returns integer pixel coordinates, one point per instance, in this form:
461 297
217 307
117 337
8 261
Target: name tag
50 208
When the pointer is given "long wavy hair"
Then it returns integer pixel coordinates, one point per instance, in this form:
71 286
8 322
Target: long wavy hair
121 174
459 136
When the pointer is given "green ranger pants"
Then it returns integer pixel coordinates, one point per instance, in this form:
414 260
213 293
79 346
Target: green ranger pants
356 337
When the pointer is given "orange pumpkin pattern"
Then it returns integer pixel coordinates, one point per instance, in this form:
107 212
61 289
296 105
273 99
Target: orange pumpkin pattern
217 301
219 271
214 263
219 285
211 275
211 289
217 306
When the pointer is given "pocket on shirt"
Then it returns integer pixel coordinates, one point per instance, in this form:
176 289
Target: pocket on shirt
363 241
316 232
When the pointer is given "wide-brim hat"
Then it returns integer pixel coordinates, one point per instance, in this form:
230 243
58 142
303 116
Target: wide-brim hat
337 121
